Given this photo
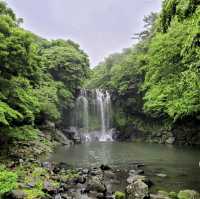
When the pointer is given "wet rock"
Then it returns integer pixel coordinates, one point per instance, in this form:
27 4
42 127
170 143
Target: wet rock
31 185
93 194
188 194
95 172
158 196
85 171
16 194
161 175
63 166
49 188
139 165
170 140
100 196
66 196
22 185
137 190
105 167
132 179
21 161
50 125
135 172
46 165
61 138
12 164
109 174
56 177
163 193
95 184
73 134
109 197
108 188
58 196
61 189
66 187
80 179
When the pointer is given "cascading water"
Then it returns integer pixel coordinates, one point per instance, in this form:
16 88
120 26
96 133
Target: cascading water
92 115
82 105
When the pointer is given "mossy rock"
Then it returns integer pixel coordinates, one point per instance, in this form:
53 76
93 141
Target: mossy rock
119 195
163 193
173 195
188 194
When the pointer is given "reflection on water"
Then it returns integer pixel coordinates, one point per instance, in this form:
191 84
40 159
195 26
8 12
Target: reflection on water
179 163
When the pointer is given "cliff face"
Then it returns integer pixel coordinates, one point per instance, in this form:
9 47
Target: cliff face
132 123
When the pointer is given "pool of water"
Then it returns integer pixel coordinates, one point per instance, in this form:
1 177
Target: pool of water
180 164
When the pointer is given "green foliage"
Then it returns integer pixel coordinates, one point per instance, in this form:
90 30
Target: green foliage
66 63
48 100
24 133
158 78
7 113
119 195
38 78
172 77
188 194
174 8
8 180
4 10
37 176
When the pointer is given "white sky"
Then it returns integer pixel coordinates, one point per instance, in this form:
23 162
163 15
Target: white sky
100 27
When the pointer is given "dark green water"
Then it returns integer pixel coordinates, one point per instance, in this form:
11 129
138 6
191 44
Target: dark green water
181 164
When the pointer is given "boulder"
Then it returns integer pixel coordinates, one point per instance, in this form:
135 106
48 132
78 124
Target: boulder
131 179
137 190
100 196
66 196
109 175
46 165
80 180
49 188
73 134
135 172
50 124
57 196
95 184
105 167
61 138
96 172
85 171
170 140
188 194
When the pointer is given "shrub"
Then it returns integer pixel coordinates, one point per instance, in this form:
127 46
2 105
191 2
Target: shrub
8 180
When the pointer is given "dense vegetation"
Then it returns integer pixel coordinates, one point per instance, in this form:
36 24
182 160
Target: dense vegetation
154 84
158 78
38 78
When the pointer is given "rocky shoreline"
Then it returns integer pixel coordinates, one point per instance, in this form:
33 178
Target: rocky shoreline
38 179
47 180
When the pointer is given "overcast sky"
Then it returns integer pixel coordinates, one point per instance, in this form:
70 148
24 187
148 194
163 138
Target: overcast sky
100 27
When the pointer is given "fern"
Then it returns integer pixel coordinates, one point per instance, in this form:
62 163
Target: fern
7 114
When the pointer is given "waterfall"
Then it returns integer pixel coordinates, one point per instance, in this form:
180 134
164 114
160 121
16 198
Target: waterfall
92 115
101 104
81 112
